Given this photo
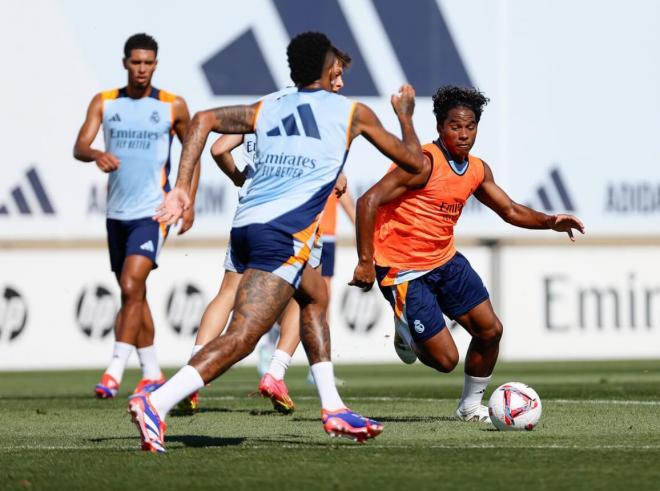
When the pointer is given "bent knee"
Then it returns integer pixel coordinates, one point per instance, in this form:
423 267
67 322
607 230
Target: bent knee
448 363
492 333
444 363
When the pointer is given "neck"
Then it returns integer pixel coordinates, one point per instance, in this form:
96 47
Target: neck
316 85
138 92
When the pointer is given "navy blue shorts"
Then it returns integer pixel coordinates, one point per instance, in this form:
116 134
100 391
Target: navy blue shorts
328 258
267 248
141 237
453 289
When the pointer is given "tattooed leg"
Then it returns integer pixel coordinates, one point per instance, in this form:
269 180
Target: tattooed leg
260 299
314 331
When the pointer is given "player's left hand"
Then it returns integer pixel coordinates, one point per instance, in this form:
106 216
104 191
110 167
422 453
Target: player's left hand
171 209
341 185
364 276
187 220
566 223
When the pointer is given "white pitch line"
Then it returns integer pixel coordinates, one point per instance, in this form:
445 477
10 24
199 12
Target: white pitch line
426 399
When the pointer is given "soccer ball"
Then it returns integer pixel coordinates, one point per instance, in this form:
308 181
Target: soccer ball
514 406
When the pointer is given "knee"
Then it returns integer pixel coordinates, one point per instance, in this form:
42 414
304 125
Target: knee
448 362
131 289
444 362
243 341
492 333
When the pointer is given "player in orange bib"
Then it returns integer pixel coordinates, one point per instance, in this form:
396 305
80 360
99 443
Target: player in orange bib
405 235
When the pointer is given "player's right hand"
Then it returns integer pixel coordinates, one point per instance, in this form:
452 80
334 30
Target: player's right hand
364 276
567 223
404 102
107 162
172 207
341 185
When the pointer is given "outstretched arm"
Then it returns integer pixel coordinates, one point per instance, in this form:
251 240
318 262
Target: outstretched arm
389 188
230 119
221 153
407 154
494 197
82 150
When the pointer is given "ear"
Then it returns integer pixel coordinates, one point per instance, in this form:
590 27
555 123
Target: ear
124 62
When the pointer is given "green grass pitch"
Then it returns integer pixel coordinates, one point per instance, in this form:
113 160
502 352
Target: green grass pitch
599 430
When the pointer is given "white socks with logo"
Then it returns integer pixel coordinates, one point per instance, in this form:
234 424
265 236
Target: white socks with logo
324 378
279 364
182 384
120 355
473 391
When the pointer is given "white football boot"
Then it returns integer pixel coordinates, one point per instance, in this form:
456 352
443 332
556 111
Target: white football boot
403 342
477 414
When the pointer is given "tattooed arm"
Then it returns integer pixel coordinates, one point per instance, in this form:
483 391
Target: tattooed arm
181 122
230 119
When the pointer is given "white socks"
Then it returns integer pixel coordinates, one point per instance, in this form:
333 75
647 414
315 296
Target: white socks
279 364
182 384
473 391
149 363
120 355
324 377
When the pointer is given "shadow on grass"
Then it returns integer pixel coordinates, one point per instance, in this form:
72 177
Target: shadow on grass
193 441
202 441
252 412
179 414
400 419
281 440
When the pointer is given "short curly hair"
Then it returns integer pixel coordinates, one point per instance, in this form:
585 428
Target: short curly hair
140 41
306 54
449 97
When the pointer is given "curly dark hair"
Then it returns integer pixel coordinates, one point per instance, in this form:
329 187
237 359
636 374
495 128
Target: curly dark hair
449 97
140 41
306 54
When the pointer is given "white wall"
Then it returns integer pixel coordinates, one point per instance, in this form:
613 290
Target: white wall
548 303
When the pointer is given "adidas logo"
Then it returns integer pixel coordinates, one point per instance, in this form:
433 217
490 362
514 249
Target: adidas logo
554 196
147 246
291 126
115 118
26 203
396 51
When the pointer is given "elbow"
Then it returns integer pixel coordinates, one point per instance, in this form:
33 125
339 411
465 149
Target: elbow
365 203
509 215
418 163
202 120
78 155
